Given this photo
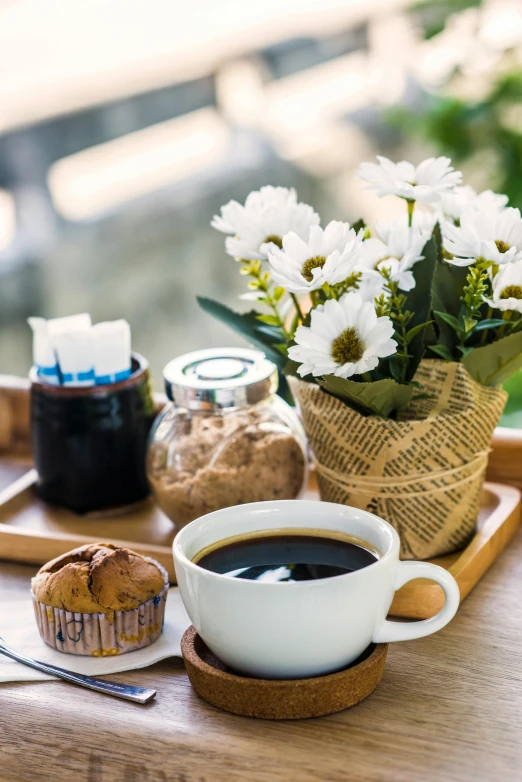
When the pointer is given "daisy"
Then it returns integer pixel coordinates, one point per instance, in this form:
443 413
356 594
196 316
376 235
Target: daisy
344 338
268 214
454 203
371 285
507 288
396 248
425 183
328 255
492 236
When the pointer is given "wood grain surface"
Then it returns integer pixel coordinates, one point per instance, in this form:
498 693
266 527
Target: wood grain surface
448 709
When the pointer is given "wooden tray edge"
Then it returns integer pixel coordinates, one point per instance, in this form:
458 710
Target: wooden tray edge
417 600
13 539
421 600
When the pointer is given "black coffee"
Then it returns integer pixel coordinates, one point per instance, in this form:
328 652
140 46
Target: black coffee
287 557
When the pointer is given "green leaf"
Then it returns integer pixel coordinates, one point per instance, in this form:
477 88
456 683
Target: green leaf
418 301
291 368
395 366
416 330
262 335
442 351
284 389
382 397
271 320
493 364
489 323
451 320
469 324
358 225
278 293
448 282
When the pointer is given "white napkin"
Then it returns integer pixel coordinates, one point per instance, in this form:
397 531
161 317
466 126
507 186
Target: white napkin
21 632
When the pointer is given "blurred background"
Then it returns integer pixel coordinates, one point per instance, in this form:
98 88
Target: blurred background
125 124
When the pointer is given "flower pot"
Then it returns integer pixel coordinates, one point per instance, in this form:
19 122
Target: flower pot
422 472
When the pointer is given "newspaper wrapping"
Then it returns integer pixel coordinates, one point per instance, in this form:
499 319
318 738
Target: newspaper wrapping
422 472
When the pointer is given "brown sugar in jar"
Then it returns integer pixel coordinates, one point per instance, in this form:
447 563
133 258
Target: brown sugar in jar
231 442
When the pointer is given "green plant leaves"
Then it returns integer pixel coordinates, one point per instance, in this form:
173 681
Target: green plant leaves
359 225
265 336
448 283
493 364
382 397
451 320
418 301
489 323
442 351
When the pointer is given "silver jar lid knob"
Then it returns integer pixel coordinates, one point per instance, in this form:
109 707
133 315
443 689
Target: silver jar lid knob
220 378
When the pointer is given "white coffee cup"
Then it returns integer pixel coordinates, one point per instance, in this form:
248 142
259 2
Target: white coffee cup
307 628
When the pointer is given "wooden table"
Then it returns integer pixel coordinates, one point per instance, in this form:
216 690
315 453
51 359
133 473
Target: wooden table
448 709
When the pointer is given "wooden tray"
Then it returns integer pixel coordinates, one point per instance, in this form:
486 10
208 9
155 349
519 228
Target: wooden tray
34 532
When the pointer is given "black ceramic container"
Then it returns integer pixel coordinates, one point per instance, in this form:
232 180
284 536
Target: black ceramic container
89 443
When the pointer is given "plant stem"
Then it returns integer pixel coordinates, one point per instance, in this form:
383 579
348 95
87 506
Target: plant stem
298 308
507 317
489 315
411 207
262 283
400 318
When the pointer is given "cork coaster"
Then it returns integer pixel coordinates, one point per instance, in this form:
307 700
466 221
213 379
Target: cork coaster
274 699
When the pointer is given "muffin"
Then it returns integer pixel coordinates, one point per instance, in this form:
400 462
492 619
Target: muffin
100 600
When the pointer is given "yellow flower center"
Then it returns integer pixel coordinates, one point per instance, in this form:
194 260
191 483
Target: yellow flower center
348 347
312 263
274 239
502 247
512 292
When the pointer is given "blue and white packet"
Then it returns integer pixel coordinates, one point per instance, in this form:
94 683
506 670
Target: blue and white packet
44 357
111 343
72 341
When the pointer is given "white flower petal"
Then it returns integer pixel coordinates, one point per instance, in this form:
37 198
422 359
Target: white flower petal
425 183
313 348
271 211
335 250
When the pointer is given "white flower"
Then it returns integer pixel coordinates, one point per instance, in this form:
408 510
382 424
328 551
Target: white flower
345 338
268 214
370 285
507 288
329 255
454 203
426 182
397 248
494 236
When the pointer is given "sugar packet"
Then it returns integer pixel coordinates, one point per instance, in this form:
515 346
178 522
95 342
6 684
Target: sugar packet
111 343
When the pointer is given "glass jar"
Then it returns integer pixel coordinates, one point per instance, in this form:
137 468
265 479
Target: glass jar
225 438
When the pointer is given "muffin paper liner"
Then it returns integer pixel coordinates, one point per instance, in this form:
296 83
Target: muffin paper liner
103 635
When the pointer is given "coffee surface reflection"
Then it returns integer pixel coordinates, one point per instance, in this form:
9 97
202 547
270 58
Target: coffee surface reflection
286 557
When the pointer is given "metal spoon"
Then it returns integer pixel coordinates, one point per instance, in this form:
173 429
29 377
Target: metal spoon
126 691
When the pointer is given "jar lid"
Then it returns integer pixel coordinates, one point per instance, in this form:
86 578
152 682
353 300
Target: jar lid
220 378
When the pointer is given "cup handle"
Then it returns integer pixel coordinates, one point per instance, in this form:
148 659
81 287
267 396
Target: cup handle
407 631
